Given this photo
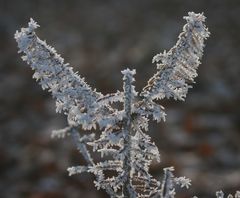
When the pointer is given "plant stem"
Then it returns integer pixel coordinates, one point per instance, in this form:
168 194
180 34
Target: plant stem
127 187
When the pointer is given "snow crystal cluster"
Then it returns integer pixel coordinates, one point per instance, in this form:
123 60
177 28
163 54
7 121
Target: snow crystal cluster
129 150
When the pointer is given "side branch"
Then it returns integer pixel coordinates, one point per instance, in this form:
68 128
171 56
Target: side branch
81 147
71 92
178 67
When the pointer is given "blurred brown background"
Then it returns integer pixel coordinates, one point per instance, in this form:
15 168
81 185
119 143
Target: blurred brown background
99 39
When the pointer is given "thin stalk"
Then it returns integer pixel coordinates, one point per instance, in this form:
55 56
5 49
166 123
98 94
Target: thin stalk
127 186
81 147
86 155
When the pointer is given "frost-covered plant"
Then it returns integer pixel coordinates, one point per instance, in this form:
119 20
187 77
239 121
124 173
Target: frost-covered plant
123 139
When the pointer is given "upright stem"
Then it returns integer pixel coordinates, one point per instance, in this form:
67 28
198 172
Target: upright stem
167 188
127 186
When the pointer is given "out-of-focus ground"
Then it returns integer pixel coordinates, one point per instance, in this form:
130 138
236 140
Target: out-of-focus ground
201 136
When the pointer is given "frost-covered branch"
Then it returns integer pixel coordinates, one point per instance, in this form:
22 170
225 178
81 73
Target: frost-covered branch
80 143
168 183
73 95
81 146
167 187
178 67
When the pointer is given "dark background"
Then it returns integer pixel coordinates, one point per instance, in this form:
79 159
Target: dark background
99 39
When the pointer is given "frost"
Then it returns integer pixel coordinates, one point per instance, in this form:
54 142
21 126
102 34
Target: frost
183 182
123 138
61 133
76 170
